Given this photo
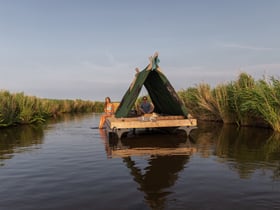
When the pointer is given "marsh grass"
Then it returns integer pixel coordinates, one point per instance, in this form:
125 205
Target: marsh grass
8 109
199 101
223 95
265 102
17 108
244 102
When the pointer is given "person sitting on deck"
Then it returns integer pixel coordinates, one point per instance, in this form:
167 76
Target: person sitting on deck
146 107
108 111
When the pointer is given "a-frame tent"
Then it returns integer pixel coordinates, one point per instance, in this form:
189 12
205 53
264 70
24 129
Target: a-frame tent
163 95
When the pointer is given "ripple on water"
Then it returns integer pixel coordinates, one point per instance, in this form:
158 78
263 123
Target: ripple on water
69 168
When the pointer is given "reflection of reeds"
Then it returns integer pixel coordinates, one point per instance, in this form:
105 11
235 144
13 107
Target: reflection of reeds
243 102
18 108
242 149
20 139
272 147
248 149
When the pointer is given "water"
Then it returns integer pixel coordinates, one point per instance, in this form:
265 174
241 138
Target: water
68 165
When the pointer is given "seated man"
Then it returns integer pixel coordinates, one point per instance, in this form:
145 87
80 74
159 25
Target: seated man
146 107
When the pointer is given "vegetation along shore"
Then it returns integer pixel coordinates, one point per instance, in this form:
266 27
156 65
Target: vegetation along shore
17 108
244 102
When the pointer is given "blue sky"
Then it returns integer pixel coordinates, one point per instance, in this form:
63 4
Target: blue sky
89 49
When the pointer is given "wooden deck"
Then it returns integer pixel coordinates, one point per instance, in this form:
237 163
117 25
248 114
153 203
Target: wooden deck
122 125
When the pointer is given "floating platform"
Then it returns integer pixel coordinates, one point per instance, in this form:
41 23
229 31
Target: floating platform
119 126
170 113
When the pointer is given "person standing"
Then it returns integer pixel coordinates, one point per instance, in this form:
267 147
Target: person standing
108 111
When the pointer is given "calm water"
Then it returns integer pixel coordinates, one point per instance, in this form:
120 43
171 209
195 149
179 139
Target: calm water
68 165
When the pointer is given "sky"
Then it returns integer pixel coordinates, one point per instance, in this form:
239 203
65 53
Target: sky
89 49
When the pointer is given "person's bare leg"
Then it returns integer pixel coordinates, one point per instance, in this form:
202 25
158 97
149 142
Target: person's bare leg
101 123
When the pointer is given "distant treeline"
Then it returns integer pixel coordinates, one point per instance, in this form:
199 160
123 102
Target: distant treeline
244 102
17 108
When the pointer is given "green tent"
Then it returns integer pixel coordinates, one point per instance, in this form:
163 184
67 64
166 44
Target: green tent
164 97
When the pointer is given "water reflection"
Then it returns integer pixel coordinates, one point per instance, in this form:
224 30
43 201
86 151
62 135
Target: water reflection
168 155
105 142
244 149
219 167
19 139
158 177
68 117
26 138
151 143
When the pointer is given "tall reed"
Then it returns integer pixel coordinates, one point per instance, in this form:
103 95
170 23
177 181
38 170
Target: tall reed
17 108
189 97
223 96
244 102
242 89
207 102
200 102
30 109
8 109
265 102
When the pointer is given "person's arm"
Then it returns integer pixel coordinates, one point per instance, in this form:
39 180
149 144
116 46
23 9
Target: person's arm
151 108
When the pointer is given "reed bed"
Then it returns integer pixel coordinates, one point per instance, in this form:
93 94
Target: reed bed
17 108
245 102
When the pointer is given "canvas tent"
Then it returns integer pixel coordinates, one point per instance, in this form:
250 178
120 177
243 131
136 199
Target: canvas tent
164 97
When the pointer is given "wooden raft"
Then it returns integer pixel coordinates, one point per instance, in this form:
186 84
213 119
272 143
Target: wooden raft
123 125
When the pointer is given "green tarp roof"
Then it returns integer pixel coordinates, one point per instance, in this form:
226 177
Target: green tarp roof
164 97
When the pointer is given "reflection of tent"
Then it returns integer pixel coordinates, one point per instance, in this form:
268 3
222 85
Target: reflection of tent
158 172
162 94
157 179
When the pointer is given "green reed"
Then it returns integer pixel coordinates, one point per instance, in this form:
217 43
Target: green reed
8 109
199 101
17 108
265 102
244 102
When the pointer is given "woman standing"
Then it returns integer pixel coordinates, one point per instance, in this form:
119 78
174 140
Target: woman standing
108 111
